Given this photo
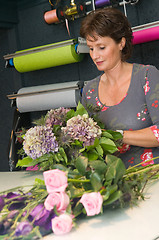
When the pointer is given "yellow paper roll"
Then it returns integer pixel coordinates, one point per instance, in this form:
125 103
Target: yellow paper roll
42 59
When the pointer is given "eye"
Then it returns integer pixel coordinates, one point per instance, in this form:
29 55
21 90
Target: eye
91 49
102 48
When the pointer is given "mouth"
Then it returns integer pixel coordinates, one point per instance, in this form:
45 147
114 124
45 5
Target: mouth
99 63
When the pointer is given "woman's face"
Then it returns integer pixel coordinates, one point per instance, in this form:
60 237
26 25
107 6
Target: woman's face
105 52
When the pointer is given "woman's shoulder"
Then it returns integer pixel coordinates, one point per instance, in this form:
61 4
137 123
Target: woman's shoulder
141 68
92 84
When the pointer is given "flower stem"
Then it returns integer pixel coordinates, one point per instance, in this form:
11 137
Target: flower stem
78 180
153 167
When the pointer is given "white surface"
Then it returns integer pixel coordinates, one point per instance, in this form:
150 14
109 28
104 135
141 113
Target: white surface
137 223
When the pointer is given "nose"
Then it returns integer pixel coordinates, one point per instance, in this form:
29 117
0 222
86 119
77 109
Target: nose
94 54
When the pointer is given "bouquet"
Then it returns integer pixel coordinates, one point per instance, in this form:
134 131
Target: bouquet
81 176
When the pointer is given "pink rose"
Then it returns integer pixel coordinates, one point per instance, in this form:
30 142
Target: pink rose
55 180
62 224
60 200
92 203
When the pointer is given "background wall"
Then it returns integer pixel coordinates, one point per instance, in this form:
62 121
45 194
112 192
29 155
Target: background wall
22 26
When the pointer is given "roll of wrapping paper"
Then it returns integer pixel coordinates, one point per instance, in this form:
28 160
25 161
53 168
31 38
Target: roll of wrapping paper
51 17
146 35
101 3
41 97
42 59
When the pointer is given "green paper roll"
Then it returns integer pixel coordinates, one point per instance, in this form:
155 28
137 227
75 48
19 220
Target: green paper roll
46 58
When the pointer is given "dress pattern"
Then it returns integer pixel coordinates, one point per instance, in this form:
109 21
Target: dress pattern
137 110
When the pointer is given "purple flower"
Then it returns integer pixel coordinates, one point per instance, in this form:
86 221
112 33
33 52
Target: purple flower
83 129
56 117
2 203
17 200
39 140
41 216
15 196
24 228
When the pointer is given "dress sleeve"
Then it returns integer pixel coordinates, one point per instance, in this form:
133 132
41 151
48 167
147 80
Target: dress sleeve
151 89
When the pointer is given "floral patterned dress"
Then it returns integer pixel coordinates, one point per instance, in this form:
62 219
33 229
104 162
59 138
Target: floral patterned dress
137 110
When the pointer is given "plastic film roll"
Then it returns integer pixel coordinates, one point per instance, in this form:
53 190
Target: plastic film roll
51 17
50 57
45 101
146 35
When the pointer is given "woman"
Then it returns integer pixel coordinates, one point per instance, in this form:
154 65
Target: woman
127 94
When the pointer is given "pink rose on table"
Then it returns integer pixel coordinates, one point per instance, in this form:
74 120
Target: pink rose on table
55 180
58 199
92 203
62 224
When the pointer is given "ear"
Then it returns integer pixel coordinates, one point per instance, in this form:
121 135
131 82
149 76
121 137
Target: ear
122 43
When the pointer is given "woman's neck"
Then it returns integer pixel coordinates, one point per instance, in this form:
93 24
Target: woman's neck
117 74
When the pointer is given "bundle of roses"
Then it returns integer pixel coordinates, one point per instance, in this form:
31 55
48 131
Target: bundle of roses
53 204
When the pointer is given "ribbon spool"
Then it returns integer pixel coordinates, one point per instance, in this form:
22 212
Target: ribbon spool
54 16
101 3
51 17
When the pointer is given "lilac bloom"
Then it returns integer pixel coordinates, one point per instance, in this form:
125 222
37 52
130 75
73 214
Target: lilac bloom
24 228
38 141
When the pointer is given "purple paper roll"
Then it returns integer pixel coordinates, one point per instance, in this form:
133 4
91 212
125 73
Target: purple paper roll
146 35
101 3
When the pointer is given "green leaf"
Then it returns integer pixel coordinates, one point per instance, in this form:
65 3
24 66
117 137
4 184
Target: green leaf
81 164
58 157
56 128
95 144
108 145
99 166
113 197
110 158
77 210
107 134
75 192
60 167
109 190
99 150
70 114
116 135
80 110
92 155
116 169
25 162
96 181
63 154
39 181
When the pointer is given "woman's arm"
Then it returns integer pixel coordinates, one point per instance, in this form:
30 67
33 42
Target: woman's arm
142 138
148 137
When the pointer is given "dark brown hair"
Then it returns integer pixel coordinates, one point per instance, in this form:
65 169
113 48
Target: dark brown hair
109 22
